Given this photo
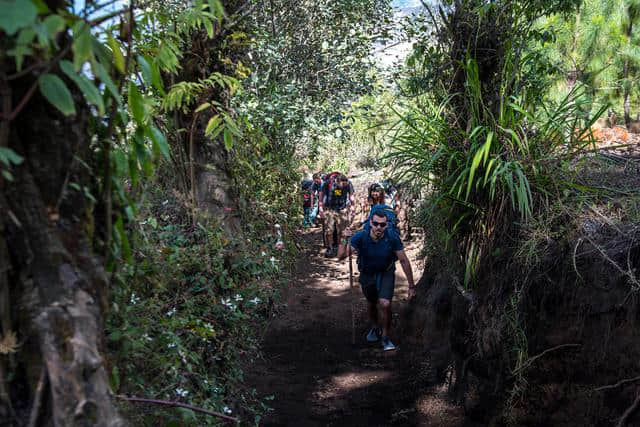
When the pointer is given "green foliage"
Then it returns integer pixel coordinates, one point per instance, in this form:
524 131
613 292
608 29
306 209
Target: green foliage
310 64
57 93
16 14
490 146
592 46
187 312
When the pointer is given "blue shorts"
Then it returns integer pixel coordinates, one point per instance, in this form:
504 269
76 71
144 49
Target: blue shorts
378 285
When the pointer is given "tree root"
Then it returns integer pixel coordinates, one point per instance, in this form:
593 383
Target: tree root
530 361
630 410
180 405
37 399
618 384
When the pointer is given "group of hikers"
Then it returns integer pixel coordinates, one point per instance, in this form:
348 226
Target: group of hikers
372 228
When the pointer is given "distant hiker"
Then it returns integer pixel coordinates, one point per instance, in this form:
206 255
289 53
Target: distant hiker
315 190
307 202
376 194
336 206
377 250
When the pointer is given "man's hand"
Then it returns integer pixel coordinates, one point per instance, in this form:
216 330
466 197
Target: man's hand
412 292
320 214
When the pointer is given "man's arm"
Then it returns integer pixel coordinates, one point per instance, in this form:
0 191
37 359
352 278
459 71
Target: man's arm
408 272
344 248
321 200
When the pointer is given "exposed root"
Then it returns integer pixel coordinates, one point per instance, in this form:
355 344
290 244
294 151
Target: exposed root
530 361
630 410
618 384
37 399
179 405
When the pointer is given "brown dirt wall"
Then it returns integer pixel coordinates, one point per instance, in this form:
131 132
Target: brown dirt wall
555 344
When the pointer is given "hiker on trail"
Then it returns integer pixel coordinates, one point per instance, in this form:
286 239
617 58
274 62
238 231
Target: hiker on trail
307 202
376 194
336 207
315 191
373 197
378 248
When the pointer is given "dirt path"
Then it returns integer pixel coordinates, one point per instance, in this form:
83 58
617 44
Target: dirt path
318 378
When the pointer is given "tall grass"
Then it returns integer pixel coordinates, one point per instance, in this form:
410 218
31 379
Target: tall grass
493 167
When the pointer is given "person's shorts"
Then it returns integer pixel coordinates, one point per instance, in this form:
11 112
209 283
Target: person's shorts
339 218
369 285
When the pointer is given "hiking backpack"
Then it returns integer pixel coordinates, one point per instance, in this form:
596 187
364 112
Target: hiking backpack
389 213
330 180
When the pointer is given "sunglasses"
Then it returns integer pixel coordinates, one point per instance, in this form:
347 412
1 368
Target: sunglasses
378 224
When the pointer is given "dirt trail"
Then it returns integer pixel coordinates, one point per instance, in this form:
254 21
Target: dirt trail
318 378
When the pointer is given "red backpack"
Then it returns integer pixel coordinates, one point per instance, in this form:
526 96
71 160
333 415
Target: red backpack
306 198
331 180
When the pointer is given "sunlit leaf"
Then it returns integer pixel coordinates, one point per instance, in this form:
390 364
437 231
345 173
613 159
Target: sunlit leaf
228 139
56 92
104 77
53 24
136 103
89 90
82 45
159 140
214 127
146 70
118 58
202 107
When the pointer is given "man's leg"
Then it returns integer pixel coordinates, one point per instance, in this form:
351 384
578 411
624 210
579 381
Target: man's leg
313 215
367 283
373 314
387 285
330 221
385 314
306 221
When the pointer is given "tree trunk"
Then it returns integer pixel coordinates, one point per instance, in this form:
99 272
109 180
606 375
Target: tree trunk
626 71
52 285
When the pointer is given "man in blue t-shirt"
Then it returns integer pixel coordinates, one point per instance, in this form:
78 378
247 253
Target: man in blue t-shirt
378 250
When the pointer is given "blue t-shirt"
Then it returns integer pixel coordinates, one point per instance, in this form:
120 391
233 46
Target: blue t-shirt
376 255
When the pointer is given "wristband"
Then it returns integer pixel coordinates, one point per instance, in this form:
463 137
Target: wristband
344 242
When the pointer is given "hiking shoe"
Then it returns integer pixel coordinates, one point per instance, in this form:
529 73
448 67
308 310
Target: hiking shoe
373 335
387 344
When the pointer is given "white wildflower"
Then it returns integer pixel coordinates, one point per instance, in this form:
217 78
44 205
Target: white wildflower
238 297
171 312
273 261
134 299
227 303
264 253
226 410
181 392
147 337
255 301
171 345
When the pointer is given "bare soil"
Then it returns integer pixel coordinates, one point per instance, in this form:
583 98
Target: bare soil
317 377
